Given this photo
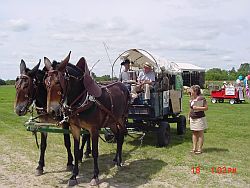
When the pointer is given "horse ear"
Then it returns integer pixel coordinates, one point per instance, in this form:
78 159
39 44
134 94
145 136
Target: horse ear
35 69
47 63
64 63
22 67
82 64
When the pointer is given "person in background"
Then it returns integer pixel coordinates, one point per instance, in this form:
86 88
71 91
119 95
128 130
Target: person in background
224 85
145 81
124 75
197 119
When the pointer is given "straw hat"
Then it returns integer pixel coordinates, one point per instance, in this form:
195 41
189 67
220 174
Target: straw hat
147 65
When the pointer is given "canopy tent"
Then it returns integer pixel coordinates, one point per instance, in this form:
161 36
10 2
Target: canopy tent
139 56
189 67
192 74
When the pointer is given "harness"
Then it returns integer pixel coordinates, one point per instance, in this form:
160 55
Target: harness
87 101
31 87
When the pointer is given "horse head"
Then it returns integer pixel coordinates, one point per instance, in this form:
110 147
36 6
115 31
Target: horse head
68 84
25 88
55 83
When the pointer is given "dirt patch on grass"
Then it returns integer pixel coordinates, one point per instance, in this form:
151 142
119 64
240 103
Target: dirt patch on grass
17 169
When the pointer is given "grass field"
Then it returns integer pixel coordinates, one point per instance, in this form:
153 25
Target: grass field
224 163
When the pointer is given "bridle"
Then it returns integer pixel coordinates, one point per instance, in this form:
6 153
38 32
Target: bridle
86 100
63 79
31 88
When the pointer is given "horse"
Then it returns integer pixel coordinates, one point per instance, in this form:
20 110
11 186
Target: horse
86 105
30 88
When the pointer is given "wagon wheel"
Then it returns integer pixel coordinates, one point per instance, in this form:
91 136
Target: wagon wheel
231 101
213 100
221 100
181 125
163 134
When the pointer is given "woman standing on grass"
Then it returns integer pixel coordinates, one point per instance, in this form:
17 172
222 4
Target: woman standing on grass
198 123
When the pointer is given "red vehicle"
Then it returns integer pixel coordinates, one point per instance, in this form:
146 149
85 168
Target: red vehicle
234 94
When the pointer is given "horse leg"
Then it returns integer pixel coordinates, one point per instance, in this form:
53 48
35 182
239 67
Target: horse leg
88 148
85 139
120 139
67 145
76 135
41 163
95 136
81 149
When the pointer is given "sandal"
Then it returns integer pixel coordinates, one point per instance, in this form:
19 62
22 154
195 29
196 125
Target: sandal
198 152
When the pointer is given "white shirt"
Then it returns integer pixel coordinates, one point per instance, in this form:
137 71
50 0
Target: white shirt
146 76
124 76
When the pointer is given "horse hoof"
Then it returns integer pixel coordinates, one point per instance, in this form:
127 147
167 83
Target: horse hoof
69 167
94 182
39 172
72 182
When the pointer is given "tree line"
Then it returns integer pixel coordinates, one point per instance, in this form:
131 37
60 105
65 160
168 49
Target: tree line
214 74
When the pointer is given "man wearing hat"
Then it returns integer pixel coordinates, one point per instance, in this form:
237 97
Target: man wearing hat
124 75
146 80
147 76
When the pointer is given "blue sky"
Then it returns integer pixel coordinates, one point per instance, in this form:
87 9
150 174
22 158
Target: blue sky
209 34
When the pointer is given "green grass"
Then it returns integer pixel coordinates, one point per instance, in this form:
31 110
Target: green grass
226 144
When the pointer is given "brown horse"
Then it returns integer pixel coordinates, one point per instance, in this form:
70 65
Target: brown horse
85 105
30 88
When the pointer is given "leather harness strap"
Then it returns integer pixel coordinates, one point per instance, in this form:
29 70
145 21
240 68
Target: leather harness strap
86 103
109 113
111 99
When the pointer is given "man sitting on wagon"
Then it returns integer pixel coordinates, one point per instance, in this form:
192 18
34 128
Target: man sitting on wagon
145 81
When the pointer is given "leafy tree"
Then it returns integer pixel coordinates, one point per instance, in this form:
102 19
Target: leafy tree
2 82
103 78
93 75
232 74
10 82
244 69
216 74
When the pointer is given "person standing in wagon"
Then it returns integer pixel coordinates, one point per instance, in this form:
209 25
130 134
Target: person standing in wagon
124 75
198 122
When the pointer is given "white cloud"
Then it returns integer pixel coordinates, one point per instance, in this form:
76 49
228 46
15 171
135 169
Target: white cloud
18 25
227 58
205 33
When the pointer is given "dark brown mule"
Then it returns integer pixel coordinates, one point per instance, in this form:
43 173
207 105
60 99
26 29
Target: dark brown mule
30 88
69 89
